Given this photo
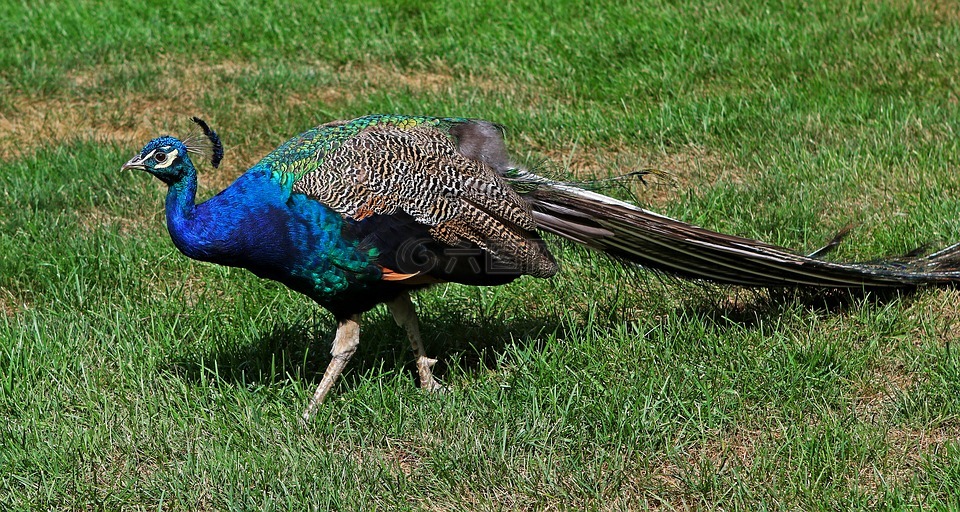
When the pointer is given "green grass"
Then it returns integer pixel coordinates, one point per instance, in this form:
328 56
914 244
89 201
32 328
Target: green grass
133 378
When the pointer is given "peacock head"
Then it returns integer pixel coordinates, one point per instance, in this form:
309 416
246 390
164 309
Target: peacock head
168 158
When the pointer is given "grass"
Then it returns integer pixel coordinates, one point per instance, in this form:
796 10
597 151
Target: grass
133 378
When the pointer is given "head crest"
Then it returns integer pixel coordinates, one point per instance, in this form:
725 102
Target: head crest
216 153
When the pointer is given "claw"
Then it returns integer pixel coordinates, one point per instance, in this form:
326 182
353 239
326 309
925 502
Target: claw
425 369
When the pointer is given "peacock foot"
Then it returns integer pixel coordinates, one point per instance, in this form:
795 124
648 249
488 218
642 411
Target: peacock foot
427 381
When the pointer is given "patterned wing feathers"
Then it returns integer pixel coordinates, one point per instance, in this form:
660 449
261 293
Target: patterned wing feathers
425 173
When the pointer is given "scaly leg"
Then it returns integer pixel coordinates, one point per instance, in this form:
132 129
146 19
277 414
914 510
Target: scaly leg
406 316
344 345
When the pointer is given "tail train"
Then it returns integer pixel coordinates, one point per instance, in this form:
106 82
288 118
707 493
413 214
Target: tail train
669 245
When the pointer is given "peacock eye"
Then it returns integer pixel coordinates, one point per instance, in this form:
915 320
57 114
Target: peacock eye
160 157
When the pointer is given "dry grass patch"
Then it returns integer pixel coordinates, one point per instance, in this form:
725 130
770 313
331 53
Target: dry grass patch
944 11
375 77
132 118
938 317
406 457
882 388
95 220
10 304
691 168
732 452
910 448
49 122
735 449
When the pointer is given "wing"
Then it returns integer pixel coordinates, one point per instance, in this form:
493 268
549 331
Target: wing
420 184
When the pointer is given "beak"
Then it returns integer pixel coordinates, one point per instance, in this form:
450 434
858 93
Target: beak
134 163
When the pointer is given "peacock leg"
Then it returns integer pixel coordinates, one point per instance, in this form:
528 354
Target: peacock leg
344 345
406 316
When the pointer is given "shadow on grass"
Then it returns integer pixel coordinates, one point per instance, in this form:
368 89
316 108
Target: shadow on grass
750 307
301 350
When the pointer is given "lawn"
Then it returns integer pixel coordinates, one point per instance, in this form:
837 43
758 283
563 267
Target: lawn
134 378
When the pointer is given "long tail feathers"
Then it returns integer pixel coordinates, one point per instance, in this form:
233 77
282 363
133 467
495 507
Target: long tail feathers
655 241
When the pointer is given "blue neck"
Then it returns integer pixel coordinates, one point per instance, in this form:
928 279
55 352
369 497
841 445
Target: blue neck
181 197
189 232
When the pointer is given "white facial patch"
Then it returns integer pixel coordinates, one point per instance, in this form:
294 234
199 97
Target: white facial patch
171 156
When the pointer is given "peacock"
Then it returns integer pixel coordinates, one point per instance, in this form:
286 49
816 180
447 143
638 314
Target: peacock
357 213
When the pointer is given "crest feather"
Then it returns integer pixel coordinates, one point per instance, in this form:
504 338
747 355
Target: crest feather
209 143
